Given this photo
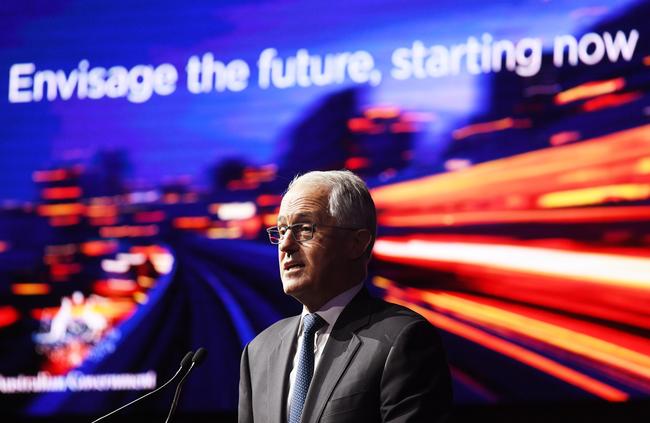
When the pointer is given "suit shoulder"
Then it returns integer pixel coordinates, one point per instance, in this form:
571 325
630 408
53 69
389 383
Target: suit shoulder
393 319
386 310
272 333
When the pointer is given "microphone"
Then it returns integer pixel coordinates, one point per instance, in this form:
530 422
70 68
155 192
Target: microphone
197 359
186 363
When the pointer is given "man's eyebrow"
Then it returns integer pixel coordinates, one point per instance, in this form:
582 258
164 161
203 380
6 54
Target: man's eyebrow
297 217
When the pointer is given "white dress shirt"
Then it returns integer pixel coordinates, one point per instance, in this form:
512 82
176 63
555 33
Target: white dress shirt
330 312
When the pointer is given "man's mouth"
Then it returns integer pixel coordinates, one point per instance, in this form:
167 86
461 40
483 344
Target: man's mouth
292 267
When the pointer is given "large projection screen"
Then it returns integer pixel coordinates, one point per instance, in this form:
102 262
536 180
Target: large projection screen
145 146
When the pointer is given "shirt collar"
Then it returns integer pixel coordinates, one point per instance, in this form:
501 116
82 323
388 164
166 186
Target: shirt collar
331 310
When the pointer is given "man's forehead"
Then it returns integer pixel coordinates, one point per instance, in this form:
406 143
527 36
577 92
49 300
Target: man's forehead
305 197
304 202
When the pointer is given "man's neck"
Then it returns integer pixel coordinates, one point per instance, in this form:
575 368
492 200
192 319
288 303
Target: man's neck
334 300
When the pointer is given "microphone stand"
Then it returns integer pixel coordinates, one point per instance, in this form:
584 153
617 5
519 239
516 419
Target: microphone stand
197 359
185 363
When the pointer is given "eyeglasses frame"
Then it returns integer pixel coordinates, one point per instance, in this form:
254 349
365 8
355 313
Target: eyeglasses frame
313 231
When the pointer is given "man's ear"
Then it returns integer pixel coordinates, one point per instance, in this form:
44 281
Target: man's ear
359 243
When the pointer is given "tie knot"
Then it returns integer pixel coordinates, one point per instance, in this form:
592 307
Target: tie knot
312 322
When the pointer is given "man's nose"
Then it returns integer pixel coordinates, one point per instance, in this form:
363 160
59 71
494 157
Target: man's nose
288 243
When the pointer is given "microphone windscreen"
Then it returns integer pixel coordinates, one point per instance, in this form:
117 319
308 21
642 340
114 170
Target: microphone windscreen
187 360
199 356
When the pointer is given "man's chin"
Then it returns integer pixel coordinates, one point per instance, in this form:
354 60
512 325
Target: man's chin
291 290
292 287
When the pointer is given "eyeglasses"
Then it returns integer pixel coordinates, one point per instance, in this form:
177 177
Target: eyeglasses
300 231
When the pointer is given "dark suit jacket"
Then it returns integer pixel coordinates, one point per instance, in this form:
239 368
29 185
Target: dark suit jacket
382 363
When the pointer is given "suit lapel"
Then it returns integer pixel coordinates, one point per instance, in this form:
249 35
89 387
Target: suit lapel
278 371
341 348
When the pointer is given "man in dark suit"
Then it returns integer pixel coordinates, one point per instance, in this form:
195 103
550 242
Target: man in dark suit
348 357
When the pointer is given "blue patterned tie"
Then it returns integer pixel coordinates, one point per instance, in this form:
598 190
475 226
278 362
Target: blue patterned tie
311 324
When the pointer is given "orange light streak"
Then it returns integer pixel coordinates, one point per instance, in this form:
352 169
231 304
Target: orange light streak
224 233
493 126
610 100
381 112
518 353
110 287
591 214
611 334
589 89
61 193
30 288
148 250
98 248
569 340
604 269
100 210
594 195
530 173
626 306
115 308
191 222
61 209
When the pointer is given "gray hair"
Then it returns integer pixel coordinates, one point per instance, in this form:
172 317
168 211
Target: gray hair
349 201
